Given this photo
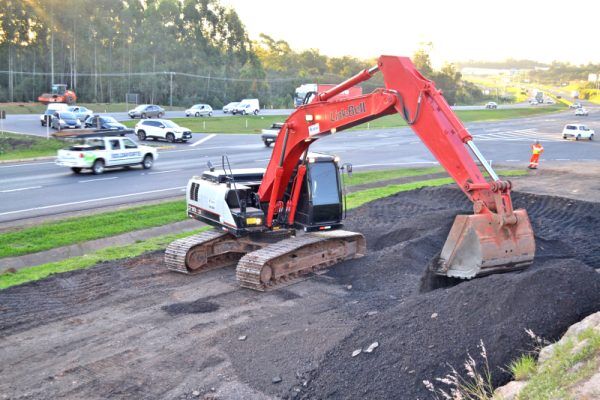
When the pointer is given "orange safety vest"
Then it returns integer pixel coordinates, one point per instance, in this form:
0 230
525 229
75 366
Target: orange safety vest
537 149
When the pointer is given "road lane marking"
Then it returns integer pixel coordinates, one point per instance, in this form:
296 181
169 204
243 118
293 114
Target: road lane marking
203 140
98 179
25 164
19 189
91 200
163 172
512 160
563 159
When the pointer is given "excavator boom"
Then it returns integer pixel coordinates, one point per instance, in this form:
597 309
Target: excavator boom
496 238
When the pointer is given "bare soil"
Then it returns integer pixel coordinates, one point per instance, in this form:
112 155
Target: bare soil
130 329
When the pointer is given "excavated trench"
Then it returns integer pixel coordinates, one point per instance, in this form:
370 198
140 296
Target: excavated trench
305 334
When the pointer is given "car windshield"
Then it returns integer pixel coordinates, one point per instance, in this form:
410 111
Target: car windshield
583 128
170 124
109 120
197 106
67 115
141 107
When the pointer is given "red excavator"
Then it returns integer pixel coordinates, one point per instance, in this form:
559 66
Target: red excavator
59 94
284 222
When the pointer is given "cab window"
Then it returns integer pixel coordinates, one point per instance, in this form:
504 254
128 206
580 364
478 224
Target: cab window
129 144
115 145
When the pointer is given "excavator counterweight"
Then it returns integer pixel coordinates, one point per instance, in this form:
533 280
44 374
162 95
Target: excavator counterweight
284 222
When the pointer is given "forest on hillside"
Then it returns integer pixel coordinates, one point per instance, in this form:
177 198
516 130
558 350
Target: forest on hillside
166 51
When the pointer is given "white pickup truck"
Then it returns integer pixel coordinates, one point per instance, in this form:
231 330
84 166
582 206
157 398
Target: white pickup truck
98 153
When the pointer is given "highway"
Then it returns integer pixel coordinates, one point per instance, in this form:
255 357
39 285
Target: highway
41 188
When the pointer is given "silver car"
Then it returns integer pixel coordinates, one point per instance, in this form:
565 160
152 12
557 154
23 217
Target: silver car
199 110
147 111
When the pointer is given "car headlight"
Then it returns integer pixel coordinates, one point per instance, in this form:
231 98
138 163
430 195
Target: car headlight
61 121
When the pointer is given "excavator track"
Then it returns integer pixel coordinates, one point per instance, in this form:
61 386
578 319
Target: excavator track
281 263
198 253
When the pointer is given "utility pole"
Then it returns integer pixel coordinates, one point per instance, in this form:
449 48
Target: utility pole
52 43
171 90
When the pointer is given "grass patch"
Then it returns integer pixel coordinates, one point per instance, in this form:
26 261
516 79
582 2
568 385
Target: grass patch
89 260
361 178
15 146
523 368
567 366
76 230
254 124
357 199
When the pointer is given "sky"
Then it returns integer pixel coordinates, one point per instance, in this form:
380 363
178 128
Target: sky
459 29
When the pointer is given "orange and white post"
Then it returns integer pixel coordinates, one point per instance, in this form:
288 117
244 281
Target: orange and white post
536 150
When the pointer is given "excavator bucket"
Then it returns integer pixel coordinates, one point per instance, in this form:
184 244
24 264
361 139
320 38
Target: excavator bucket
479 245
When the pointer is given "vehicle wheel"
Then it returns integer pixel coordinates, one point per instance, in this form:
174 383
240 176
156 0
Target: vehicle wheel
141 135
591 137
564 137
76 170
255 112
42 122
210 114
197 114
577 137
98 167
267 144
148 161
170 137
143 116
160 115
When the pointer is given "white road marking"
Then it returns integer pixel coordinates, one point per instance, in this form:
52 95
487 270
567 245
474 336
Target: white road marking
25 164
265 159
163 172
98 179
91 200
563 159
512 160
203 140
19 189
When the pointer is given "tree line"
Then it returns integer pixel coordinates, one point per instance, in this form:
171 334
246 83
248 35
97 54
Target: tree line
167 51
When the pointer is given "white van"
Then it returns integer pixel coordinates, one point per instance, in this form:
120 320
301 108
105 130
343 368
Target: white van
247 106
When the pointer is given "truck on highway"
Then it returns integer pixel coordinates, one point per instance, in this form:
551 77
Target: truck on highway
539 96
305 89
98 153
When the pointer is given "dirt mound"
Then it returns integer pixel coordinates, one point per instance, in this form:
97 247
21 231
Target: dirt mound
181 334
419 337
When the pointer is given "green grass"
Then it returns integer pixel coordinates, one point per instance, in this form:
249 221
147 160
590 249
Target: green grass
16 146
254 124
38 108
89 260
554 378
523 368
357 199
76 230
361 178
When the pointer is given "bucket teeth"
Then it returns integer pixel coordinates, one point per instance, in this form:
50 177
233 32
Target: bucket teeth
479 245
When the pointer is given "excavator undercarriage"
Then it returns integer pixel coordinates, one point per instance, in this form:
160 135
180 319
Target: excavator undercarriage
264 261
284 222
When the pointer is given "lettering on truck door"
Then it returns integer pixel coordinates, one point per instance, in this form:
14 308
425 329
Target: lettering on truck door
117 153
133 155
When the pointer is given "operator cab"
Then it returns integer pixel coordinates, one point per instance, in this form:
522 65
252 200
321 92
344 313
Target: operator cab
320 204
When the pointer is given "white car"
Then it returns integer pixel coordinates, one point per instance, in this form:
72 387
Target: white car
581 112
52 109
534 102
162 129
577 131
230 107
101 152
247 107
550 101
199 110
491 105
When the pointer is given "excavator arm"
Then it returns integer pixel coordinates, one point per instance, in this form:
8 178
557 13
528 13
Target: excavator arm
496 238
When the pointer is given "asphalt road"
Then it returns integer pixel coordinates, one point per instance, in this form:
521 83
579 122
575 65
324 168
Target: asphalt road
30 123
42 188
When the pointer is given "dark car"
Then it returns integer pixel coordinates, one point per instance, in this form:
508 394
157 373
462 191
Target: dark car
64 120
147 111
46 117
269 135
104 122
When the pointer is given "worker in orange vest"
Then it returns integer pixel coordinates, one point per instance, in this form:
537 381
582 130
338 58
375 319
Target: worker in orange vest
536 150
